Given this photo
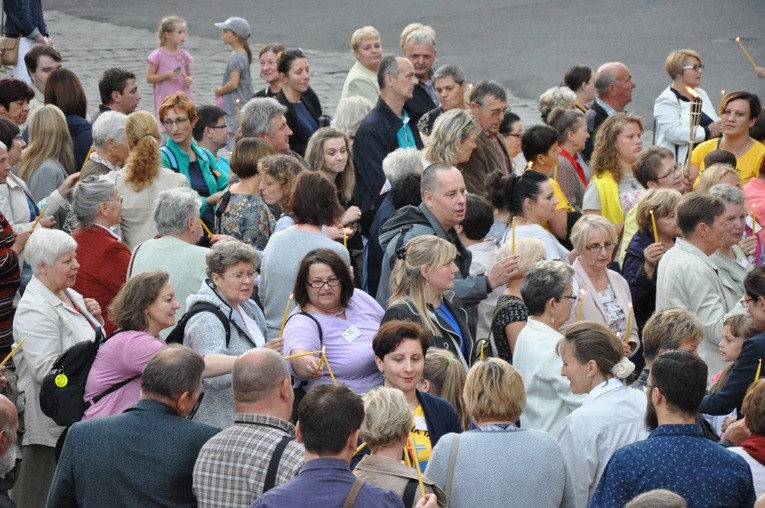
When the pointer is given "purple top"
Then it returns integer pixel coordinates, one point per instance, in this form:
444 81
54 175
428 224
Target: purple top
352 361
121 357
165 62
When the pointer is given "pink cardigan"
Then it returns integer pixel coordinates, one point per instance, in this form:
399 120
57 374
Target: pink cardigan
592 309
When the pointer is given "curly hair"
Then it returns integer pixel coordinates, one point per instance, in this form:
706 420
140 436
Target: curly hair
143 165
605 157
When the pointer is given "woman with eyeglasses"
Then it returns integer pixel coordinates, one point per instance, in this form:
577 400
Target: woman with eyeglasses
183 155
672 108
606 298
303 108
333 316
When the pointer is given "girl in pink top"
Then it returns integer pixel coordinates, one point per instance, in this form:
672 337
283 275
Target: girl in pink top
169 65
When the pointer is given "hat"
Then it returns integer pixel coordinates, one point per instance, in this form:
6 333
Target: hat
237 25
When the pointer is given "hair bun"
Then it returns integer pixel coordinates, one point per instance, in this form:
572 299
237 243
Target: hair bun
623 369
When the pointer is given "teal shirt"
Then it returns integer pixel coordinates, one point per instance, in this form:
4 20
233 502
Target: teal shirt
177 160
404 136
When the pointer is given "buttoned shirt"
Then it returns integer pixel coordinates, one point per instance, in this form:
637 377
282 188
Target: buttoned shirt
231 467
677 458
608 109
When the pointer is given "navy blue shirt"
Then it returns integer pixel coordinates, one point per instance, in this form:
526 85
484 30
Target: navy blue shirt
325 483
680 459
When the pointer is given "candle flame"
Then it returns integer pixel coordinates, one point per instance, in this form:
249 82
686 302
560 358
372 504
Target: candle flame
692 92
738 39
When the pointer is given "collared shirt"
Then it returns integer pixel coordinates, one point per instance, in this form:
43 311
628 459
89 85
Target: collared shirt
405 136
325 482
680 459
608 109
231 467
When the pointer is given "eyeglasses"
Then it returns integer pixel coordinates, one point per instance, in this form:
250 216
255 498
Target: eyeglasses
196 406
169 122
571 297
493 112
597 247
119 199
224 126
671 172
697 67
241 277
515 134
318 284
745 301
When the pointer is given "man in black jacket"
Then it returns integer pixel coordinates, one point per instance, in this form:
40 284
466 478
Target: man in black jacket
614 85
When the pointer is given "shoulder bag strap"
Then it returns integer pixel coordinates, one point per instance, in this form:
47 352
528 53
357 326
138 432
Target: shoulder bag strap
409 492
132 260
321 333
273 465
450 467
353 494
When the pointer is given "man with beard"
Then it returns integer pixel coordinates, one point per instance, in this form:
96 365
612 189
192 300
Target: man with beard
9 425
676 456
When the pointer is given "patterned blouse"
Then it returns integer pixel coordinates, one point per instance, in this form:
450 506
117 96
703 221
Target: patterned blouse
247 218
510 309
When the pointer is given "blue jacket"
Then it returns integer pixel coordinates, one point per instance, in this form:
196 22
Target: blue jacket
440 416
24 17
82 139
142 457
642 288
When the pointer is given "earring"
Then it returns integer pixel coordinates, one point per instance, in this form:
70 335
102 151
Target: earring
552 320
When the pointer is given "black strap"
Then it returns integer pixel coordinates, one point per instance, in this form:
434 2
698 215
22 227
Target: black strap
113 388
220 208
409 492
301 313
273 465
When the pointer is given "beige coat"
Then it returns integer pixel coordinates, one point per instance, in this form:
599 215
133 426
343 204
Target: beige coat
394 476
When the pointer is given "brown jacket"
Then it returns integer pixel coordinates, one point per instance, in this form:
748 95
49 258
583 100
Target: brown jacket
394 476
484 160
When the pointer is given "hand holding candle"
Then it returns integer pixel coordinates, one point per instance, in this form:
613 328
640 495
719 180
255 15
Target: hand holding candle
207 230
581 305
13 352
653 224
40 216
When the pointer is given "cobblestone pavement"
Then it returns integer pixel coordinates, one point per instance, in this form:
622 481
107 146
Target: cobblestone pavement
89 47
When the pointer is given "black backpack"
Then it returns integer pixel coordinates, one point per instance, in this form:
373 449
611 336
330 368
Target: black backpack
63 388
176 336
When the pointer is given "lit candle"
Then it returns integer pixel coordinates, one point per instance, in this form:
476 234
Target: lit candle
512 245
42 213
416 466
653 224
284 316
207 230
629 323
754 218
759 368
581 304
483 348
13 352
748 56
238 113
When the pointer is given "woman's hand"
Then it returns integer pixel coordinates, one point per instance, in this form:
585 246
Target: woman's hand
275 344
760 71
212 199
47 222
429 501
715 129
338 233
306 367
92 307
748 245
652 254
626 348
352 214
67 186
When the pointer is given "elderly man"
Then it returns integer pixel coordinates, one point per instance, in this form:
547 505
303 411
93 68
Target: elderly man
258 452
614 85
14 100
387 127
144 456
211 132
264 118
488 103
450 89
41 60
119 92
676 456
9 426
420 49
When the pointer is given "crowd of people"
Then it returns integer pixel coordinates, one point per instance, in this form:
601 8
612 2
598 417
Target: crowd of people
414 300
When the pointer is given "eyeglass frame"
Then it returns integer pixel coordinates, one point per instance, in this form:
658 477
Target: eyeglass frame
167 122
695 67
675 169
597 247
332 283
492 113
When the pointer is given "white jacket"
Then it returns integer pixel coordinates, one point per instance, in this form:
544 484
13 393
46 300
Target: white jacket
672 122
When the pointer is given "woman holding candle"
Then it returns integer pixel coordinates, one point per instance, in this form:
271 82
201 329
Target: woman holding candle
333 317
607 298
672 109
739 112
304 115
732 258
657 229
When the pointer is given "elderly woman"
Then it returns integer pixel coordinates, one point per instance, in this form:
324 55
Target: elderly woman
400 348
422 283
15 96
303 109
571 172
613 189
362 78
645 251
268 56
349 114
277 178
241 212
672 108
332 314
581 80
145 306
738 112
183 155
548 292
63 89
110 145
452 140
449 83
52 317
385 430
494 396
511 314
231 267
556 97
142 179
445 378
605 295
611 415
103 258
314 204
732 258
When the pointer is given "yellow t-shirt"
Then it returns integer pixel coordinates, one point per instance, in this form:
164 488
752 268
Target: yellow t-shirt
748 165
421 437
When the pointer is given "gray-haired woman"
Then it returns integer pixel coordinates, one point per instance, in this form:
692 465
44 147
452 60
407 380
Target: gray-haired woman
231 267
731 258
453 138
103 258
110 146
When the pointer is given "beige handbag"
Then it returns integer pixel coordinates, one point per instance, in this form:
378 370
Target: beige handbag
9 46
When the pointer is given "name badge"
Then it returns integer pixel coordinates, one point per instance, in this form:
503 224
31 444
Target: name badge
351 333
420 424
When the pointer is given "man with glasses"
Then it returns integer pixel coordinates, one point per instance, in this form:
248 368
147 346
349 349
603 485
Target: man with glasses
488 103
614 85
144 456
211 132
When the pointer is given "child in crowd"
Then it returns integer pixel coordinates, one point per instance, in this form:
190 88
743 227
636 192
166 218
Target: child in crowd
169 65
236 87
736 329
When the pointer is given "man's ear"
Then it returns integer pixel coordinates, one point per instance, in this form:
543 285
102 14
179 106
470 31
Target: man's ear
116 96
299 433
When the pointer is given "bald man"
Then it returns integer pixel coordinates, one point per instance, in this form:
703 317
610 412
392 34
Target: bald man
614 85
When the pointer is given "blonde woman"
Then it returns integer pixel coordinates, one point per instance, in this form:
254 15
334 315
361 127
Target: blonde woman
142 179
362 78
421 291
717 174
444 377
453 138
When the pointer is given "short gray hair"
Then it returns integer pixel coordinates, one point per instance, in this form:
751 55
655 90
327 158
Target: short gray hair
109 125
88 196
387 418
730 194
45 246
173 208
421 37
483 89
450 71
258 116
229 252
605 77
555 97
349 114
546 279
388 65
401 162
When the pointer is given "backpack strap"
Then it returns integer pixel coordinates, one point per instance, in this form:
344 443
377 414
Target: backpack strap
301 313
273 465
399 243
170 157
195 309
113 388
409 492
353 494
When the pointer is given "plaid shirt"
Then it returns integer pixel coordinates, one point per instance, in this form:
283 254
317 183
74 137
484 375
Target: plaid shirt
231 467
